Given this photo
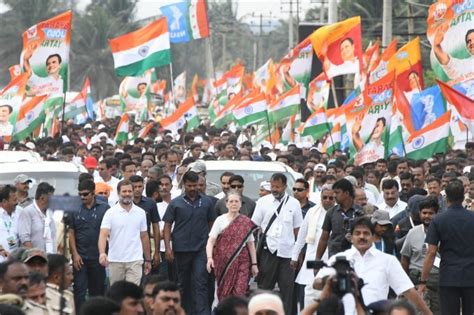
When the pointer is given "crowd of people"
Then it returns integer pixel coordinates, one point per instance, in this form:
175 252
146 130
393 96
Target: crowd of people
154 235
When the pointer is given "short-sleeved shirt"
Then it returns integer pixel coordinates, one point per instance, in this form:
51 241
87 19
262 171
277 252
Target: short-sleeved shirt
280 236
415 248
124 237
86 225
191 220
453 232
337 222
248 206
151 211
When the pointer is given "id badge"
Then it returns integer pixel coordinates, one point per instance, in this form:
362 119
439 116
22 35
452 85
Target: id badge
12 243
277 230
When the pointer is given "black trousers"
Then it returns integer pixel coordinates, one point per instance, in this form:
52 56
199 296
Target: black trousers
90 278
453 299
193 281
274 269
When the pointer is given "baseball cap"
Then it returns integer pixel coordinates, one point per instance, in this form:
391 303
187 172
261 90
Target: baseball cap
90 162
381 217
21 179
198 166
320 167
32 253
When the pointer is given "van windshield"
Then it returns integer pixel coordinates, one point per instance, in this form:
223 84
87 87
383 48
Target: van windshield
63 182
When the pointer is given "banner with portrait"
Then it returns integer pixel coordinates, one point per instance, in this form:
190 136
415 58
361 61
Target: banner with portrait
368 121
450 31
11 98
339 47
134 94
45 55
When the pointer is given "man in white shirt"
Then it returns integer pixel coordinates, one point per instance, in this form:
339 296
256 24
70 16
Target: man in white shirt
105 175
124 225
9 239
392 203
275 258
378 270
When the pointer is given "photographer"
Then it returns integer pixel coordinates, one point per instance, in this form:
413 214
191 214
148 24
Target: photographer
379 271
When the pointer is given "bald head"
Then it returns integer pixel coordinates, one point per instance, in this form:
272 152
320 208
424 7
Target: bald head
360 198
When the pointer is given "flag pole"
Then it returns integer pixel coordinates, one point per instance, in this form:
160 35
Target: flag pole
334 95
172 87
268 126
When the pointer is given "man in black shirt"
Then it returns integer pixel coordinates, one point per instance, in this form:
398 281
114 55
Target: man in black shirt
151 211
192 214
83 239
336 226
453 233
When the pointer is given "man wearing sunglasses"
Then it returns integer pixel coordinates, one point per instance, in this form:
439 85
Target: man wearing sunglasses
236 183
301 193
89 275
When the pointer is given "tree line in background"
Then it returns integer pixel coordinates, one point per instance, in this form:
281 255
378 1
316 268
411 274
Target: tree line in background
232 38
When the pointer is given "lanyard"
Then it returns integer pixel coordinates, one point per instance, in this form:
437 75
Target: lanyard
191 205
9 225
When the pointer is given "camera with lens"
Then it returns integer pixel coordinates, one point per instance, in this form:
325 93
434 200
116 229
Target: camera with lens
342 281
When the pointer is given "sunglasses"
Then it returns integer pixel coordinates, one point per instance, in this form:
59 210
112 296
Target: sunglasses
328 198
298 189
236 186
85 194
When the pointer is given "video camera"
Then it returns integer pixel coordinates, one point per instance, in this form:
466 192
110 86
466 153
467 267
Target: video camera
342 283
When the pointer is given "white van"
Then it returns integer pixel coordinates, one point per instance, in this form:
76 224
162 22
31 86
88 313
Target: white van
63 176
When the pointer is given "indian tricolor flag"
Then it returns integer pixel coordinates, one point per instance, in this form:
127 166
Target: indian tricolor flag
121 135
145 130
333 141
30 116
143 49
463 104
315 125
185 113
252 110
76 109
226 114
285 106
422 144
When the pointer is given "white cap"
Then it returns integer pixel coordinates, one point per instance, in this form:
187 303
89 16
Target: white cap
280 146
272 155
87 126
265 185
103 134
30 145
266 144
198 139
101 126
467 169
266 301
65 139
320 167
307 145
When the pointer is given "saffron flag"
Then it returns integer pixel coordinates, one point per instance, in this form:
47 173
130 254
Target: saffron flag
186 20
145 130
121 135
339 47
284 107
45 55
30 116
138 51
408 68
432 139
463 104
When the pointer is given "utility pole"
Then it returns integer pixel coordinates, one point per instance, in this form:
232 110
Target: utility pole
387 23
332 11
290 25
411 21
321 12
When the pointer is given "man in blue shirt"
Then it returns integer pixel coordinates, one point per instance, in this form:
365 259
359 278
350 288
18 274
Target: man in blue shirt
452 232
193 215
83 244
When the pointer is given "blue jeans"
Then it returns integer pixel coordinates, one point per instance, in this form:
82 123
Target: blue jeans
91 277
193 281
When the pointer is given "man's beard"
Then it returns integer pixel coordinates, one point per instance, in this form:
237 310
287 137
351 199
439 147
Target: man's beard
126 200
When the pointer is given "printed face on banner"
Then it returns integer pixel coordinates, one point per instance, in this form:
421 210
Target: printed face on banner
133 92
295 67
45 55
451 34
318 93
369 126
344 56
